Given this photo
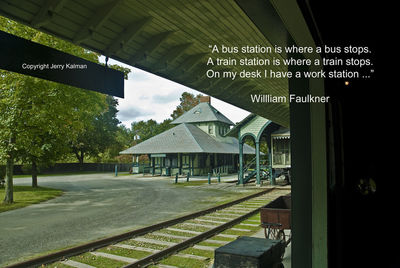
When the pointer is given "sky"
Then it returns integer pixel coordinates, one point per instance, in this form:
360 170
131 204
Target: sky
148 96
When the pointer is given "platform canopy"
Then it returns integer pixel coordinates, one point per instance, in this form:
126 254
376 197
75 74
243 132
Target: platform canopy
171 39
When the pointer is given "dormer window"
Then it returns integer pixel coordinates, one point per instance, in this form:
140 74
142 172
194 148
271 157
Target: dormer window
210 129
198 111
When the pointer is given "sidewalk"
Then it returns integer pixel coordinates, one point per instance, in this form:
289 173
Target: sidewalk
232 178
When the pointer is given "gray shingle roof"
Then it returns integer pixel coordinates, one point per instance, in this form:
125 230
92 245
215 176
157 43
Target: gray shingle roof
203 112
281 131
187 138
233 132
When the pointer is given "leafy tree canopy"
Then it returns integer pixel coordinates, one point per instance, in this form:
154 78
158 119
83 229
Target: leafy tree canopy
40 120
188 101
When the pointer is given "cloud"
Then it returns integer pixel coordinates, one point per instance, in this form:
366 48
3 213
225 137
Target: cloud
132 113
148 96
163 99
138 75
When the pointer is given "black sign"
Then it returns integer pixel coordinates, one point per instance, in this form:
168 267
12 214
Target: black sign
26 57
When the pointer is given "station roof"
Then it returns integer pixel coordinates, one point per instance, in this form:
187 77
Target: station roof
172 39
234 132
187 138
203 112
281 132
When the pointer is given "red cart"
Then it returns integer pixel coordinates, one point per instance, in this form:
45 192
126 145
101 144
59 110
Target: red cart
275 218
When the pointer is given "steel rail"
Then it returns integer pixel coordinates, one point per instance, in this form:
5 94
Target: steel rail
91 246
189 242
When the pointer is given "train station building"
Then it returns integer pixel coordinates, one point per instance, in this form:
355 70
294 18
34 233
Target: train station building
196 145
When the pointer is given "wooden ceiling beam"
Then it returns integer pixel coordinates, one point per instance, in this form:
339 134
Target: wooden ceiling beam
45 13
204 85
100 16
192 61
128 34
173 54
196 75
245 91
223 84
232 88
150 46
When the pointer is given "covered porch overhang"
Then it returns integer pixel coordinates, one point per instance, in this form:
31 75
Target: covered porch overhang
171 39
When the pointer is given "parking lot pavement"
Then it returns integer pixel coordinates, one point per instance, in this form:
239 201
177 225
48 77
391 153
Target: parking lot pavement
93 206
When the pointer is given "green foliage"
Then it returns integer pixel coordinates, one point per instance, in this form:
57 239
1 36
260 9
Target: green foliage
144 130
47 120
126 71
42 115
147 129
41 120
99 133
188 101
97 261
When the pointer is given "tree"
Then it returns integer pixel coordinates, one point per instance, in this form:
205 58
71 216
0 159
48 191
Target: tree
188 101
124 139
38 117
150 128
145 129
99 132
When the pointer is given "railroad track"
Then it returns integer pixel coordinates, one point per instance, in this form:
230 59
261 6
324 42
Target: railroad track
183 238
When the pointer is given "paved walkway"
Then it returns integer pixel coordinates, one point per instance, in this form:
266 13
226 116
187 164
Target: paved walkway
95 206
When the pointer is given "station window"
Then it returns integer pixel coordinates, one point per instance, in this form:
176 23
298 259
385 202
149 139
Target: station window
210 129
185 160
281 151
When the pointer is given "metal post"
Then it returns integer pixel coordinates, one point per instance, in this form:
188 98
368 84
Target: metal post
258 162
176 178
209 178
241 163
271 176
116 170
153 169
187 177
219 177
180 163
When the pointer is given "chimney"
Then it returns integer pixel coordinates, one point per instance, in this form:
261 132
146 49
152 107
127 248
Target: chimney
205 99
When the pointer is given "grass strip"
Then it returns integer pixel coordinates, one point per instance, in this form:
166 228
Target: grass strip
57 265
198 252
27 195
191 227
185 262
98 261
209 244
144 244
162 238
221 238
130 253
172 232
191 183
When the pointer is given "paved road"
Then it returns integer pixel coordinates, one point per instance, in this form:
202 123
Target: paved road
93 206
